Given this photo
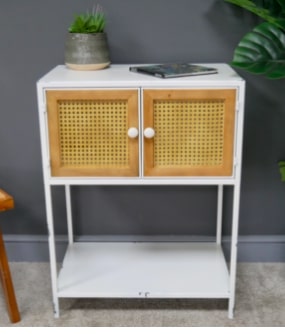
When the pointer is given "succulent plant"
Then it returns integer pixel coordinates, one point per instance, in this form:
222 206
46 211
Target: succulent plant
90 22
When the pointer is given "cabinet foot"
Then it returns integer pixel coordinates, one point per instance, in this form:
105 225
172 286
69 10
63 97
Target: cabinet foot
231 310
56 310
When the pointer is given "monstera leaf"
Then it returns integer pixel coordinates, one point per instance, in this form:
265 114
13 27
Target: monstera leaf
272 11
262 51
281 165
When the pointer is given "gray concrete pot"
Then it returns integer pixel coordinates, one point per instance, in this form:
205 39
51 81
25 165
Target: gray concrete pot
86 52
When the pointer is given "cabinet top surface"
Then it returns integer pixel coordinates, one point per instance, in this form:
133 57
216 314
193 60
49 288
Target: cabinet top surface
119 75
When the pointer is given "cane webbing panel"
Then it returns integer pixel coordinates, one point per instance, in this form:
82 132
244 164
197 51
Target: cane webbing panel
88 132
93 132
189 133
194 132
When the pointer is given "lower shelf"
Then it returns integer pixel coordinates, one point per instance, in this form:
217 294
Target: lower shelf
144 270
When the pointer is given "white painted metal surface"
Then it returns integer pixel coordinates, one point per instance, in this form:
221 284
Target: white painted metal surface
186 270
69 214
144 270
120 76
141 181
219 214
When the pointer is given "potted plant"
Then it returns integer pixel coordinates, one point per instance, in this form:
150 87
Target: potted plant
262 51
86 46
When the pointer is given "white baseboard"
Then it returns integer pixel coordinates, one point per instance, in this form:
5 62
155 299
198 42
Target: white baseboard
254 248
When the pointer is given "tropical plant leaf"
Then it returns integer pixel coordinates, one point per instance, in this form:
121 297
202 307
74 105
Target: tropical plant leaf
274 6
282 4
281 165
272 11
262 51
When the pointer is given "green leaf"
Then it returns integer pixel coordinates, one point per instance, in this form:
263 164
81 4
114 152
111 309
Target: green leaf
91 22
282 4
281 165
272 11
262 51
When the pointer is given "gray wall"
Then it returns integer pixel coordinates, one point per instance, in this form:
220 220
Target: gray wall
32 35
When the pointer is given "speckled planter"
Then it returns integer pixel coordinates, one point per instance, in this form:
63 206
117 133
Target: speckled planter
85 52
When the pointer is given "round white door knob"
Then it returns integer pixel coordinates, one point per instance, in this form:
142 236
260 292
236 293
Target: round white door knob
133 132
149 132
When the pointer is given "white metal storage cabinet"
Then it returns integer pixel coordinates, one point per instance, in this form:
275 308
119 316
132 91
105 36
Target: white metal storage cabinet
122 128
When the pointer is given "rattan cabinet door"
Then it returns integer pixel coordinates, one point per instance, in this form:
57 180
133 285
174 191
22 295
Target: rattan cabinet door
193 132
88 132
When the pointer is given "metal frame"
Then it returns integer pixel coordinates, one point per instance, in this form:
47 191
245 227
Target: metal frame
67 182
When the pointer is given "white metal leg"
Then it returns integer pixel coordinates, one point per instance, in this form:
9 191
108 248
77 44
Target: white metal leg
52 251
219 214
234 242
69 214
